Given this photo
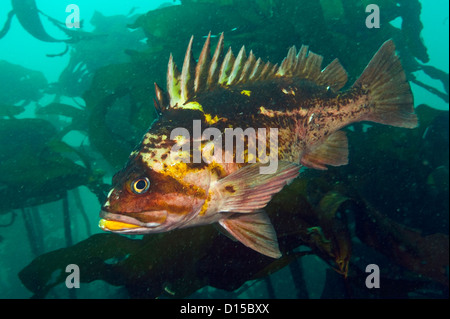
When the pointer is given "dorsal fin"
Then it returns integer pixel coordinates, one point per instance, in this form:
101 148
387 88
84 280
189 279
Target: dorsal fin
208 73
333 75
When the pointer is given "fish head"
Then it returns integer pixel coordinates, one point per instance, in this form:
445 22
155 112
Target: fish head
149 198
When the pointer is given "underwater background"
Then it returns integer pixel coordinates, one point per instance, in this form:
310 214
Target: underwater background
72 111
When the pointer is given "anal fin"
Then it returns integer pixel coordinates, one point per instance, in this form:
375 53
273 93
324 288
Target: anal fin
254 231
333 151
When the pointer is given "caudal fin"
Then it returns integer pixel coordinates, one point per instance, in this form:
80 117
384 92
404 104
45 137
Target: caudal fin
390 97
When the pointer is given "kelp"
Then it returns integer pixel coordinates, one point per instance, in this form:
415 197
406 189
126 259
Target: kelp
34 230
10 110
335 24
37 168
242 24
28 15
389 179
124 88
110 43
19 84
404 161
422 254
7 24
78 116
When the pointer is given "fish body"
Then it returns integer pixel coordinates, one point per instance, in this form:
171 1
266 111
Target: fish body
233 131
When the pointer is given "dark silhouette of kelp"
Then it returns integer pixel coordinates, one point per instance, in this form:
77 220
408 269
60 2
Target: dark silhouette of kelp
20 85
111 43
36 168
27 13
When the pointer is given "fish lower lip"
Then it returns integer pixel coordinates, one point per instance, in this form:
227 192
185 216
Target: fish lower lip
113 225
117 222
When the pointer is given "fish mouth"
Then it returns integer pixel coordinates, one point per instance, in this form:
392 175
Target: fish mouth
127 224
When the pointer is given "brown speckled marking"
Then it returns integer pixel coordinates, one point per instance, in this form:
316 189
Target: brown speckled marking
230 189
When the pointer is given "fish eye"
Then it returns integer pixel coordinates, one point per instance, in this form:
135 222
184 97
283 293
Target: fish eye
140 185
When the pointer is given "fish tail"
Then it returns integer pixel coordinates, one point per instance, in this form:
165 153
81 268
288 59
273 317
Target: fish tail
390 97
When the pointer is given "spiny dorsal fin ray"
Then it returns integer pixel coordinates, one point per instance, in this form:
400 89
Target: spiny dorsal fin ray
247 68
173 83
187 73
256 70
160 102
213 73
287 66
237 67
209 73
265 70
272 72
312 68
301 60
226 66
334 75
201 69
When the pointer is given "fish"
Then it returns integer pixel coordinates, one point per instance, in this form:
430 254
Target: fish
164 186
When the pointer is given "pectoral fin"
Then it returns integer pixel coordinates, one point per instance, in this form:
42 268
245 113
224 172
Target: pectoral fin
247 190
254 231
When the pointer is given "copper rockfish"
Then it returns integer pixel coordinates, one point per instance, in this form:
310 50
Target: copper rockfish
157 191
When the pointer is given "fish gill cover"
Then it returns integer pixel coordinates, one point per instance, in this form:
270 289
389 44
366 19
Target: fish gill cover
388 204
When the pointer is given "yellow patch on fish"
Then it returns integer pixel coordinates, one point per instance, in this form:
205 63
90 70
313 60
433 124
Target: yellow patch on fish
246 92
114 225
205 205
291 91
192 106
153 159
208 152
180 139
210 120
266 112
148 137
180 156
177 170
